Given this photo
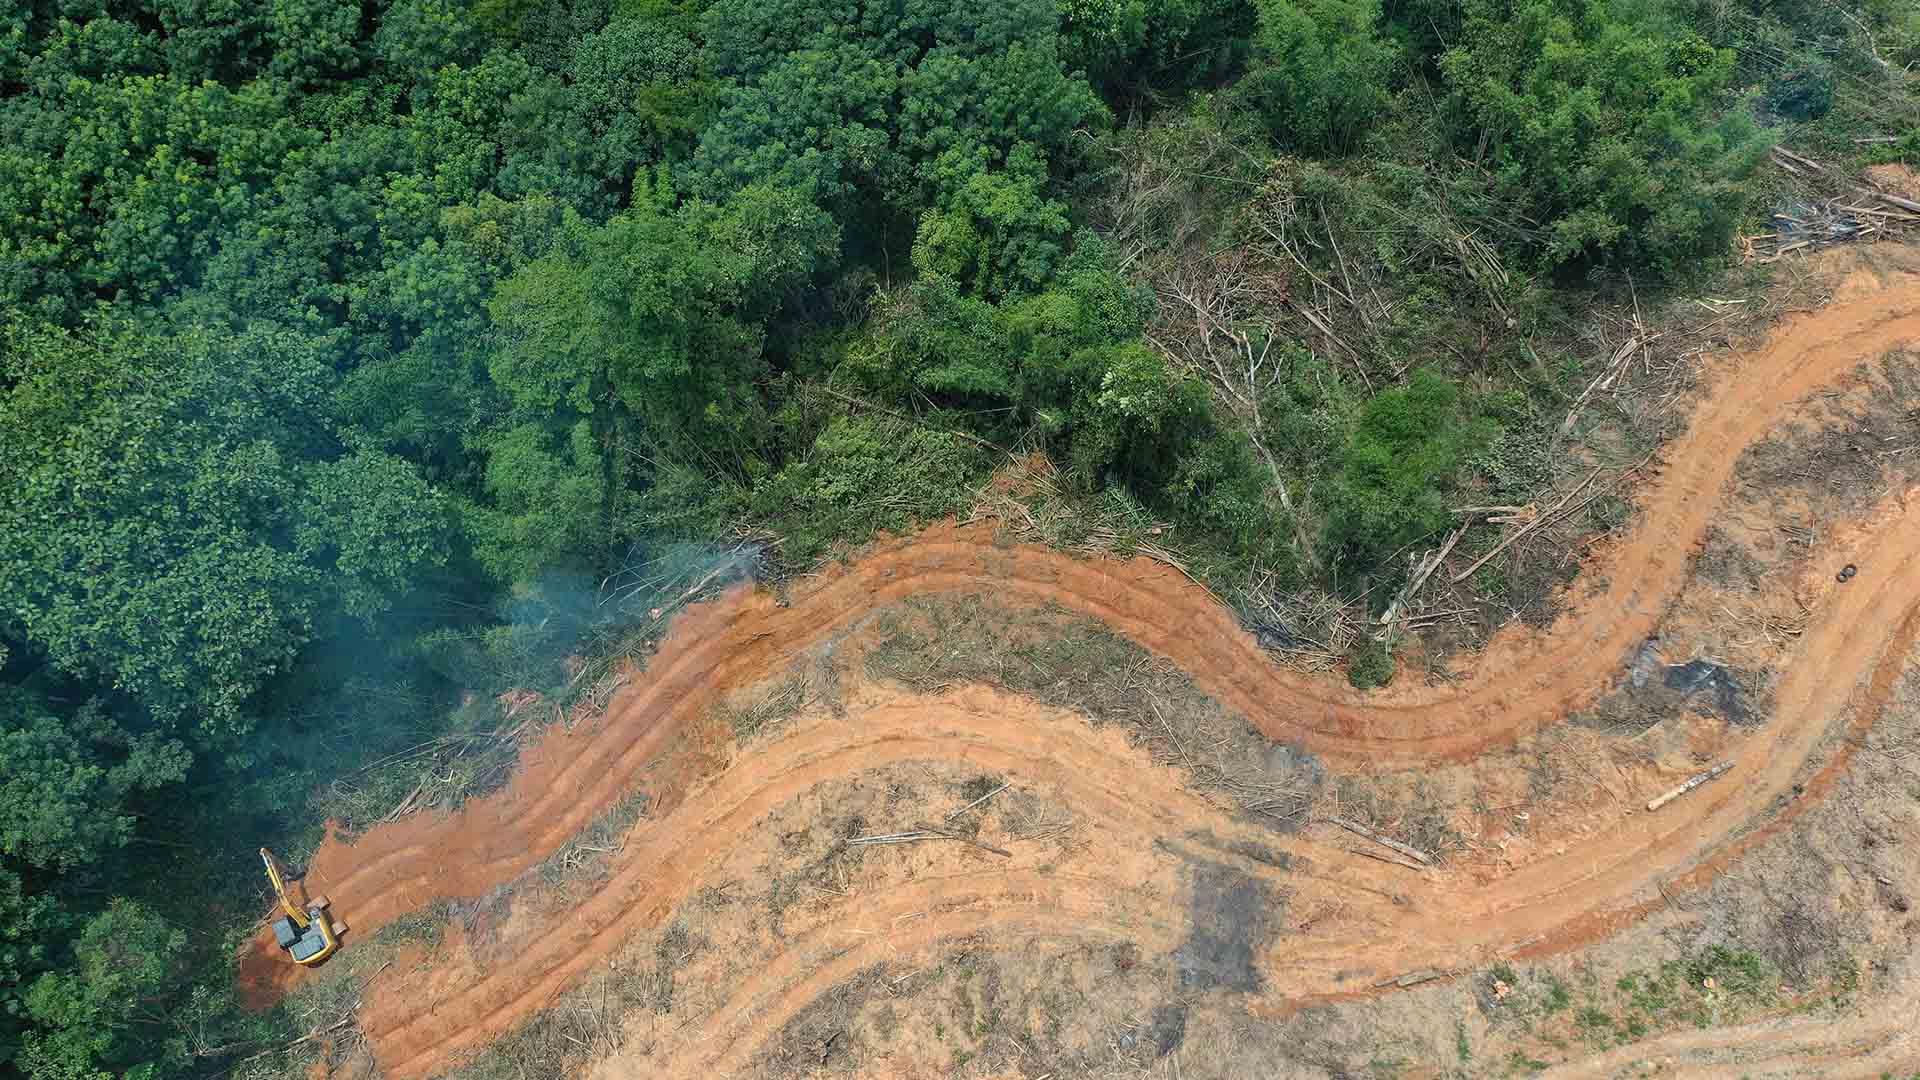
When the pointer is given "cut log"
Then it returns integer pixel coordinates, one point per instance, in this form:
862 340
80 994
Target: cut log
1711 774
1412 978
1807 161
1390 860
1899 201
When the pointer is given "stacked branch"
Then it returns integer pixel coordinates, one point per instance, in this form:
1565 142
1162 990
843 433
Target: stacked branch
1862 214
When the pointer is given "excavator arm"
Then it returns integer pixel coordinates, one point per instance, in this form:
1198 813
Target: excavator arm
278 876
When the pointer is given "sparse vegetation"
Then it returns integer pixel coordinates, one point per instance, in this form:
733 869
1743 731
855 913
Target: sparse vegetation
1079 664
767 709
1710 987
586 854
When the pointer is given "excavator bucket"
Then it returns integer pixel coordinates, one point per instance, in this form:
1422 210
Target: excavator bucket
317 907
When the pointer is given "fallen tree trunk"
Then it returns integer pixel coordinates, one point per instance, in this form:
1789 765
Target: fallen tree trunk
1710 774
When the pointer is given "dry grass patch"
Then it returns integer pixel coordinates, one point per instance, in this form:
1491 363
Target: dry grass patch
1079 664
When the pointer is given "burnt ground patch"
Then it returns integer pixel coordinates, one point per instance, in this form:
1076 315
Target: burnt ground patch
1230 911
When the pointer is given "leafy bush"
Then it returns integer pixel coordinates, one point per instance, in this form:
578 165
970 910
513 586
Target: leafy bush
1066 369
1610 122
1397 464
546 502
1223 494
1132 46
862 475
999 233
1066 365
1319 72
1370 665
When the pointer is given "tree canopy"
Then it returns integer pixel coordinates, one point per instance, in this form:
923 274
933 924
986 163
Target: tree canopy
180 514
1611 121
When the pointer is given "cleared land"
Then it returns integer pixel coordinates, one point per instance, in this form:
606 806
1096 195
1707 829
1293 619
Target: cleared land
1224 876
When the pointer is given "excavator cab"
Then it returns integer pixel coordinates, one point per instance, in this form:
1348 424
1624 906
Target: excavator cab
308 934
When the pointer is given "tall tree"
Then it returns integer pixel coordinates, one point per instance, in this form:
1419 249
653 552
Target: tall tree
179 512
642 333
1319 72
884 111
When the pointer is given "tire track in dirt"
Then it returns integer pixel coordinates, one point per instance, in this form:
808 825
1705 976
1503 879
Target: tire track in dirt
766 1002
1842 676
773 997
665 858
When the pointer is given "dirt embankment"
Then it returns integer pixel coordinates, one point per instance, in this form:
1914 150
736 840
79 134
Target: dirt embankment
1847 657
1871 1046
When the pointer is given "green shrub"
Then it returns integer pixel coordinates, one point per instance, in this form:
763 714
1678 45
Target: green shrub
999 233
1319 72
1396 466
1370 665
1610 122
1126 46
1804 92
861 475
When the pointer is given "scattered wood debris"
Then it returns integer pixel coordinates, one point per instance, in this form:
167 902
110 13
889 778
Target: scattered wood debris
1535 523
1358 829
1795 163
917 835
1412 978
980 800
1390 860
1425 570
1865 214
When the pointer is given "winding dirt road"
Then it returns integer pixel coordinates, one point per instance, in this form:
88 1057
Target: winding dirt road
1842 671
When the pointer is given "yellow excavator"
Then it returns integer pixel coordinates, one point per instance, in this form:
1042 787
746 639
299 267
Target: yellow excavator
309 935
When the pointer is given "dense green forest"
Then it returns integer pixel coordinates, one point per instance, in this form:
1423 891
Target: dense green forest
347 348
